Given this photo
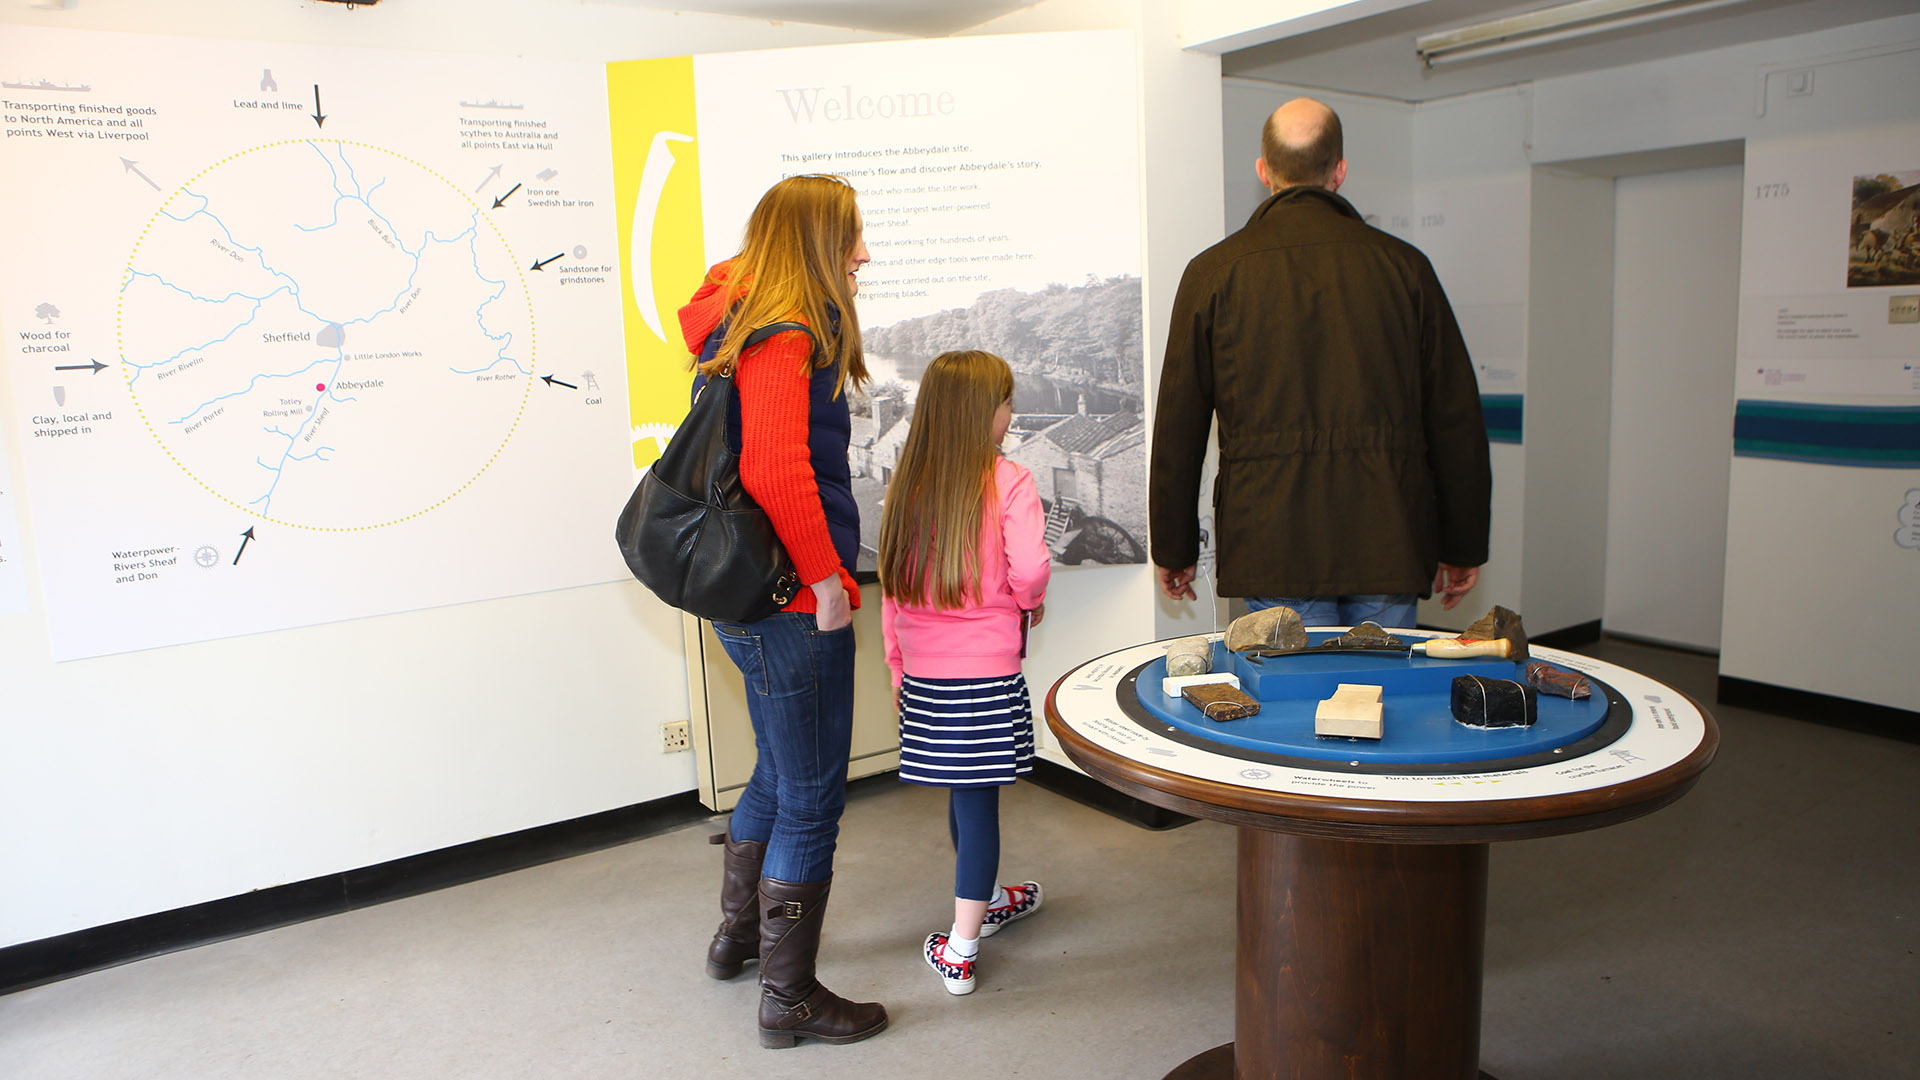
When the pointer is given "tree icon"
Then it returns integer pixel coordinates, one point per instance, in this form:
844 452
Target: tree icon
47 312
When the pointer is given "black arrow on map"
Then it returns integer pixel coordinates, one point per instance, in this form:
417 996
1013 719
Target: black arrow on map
244 537
551 381
138 173
543 262
319 118
503 198
96 365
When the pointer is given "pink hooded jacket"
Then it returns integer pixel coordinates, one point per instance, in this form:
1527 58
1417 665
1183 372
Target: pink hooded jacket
984 638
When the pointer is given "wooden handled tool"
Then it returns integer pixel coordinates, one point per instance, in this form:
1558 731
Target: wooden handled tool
1463 649
1433 648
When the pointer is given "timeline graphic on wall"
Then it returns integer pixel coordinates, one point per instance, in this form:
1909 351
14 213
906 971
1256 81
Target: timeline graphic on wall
305 334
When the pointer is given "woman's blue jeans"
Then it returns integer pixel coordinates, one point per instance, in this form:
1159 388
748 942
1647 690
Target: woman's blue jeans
800 698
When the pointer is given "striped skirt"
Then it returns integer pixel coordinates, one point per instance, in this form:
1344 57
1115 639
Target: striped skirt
965 732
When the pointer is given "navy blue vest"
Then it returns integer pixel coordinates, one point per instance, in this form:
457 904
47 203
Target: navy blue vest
829 431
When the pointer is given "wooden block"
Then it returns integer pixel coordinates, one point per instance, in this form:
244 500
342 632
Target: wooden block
1352 712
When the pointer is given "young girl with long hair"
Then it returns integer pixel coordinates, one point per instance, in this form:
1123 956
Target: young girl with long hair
797 263
963 575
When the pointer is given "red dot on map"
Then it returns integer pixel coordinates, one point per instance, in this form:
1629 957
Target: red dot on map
320 386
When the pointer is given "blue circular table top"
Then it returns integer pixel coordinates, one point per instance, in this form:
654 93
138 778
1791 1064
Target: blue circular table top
1418 728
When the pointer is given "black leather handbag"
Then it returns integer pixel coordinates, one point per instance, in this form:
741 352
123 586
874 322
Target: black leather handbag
692 534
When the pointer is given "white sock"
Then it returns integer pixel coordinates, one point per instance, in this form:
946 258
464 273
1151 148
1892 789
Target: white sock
999 898
959 948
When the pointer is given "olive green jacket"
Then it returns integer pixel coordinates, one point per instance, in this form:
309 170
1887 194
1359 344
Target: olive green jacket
1353 456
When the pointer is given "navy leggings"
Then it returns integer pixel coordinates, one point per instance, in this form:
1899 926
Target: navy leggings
973 820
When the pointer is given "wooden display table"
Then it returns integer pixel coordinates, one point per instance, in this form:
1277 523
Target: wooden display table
1363 868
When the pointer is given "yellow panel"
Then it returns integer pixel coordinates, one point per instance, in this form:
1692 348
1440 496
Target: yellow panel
656 182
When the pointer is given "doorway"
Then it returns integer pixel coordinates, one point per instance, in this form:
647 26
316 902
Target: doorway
1676 300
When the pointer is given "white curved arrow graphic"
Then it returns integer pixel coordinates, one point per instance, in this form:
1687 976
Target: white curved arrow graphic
646 208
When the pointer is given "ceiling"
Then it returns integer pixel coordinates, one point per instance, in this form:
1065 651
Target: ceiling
916 18
1375 55
1372 55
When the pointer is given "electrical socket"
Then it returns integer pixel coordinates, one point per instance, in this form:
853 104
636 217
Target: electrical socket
674 738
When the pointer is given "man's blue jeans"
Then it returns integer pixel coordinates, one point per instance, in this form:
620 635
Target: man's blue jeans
1387 609
800 698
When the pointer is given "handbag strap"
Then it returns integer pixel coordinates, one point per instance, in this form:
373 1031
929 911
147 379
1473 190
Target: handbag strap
771 329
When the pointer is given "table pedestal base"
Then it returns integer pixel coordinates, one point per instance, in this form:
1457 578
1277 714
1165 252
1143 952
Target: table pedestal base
1354 959
1217 1064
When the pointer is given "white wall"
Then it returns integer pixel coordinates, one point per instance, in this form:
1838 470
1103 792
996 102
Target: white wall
1731 93
1570 311
1379 143
1472 201
163 779
1784 516
143 782
1674 313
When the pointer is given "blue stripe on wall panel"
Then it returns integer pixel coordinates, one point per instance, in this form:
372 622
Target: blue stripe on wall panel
1503 413
1858 436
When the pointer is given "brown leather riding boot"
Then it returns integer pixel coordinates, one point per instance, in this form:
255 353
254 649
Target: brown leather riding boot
792 1002
738 939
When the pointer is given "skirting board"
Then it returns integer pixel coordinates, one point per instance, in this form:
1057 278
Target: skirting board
32 963
1569 637
1862 716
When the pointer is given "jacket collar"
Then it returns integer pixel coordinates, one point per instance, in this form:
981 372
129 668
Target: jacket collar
709 305
1304 195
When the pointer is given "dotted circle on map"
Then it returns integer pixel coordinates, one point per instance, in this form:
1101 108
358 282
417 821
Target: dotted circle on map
119 325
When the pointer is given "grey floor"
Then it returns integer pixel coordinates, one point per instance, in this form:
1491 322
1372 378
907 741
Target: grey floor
1764 926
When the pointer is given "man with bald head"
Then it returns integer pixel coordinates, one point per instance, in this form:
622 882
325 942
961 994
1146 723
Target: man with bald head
1354 473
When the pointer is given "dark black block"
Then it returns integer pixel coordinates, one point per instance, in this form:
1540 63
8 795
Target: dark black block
1494 703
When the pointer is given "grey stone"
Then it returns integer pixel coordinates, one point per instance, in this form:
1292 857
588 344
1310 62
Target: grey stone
1278 629
1190 656
1365 636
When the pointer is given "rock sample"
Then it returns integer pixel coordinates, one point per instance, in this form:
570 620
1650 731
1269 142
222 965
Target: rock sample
1368 635
1277 629
1479 702
1500 624
1190 656
1559 682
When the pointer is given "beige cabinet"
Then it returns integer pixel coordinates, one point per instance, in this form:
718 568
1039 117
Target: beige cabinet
723 735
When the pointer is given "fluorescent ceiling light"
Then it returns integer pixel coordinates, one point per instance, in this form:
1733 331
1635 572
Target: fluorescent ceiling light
1549 25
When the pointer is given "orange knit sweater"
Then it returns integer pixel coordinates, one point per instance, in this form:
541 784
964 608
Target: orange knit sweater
776 467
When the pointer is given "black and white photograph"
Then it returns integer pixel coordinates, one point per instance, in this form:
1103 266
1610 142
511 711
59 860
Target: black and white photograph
1078 369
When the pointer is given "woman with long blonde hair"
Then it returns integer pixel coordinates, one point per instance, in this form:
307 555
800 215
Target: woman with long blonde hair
802 248
963 576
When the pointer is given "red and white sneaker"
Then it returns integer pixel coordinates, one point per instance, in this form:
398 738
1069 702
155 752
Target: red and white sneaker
1022 900
956 974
